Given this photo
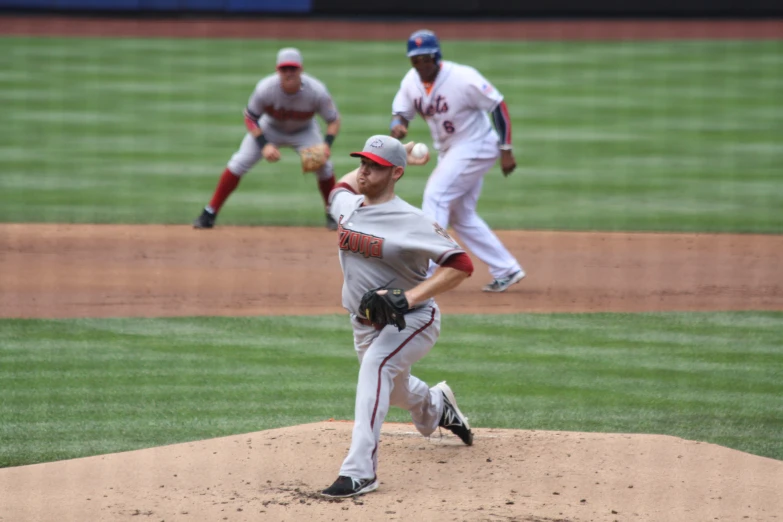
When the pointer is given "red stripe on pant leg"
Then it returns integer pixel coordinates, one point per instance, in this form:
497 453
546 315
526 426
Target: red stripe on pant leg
372 457
378 390
380 368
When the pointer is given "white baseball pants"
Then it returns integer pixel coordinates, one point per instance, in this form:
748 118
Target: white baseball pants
451 196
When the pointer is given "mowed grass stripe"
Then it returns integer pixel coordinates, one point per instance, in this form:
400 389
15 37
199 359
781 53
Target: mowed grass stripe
120 105
80 387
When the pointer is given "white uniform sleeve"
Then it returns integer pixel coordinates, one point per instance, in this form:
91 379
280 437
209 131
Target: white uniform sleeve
480 93
430 238
403 103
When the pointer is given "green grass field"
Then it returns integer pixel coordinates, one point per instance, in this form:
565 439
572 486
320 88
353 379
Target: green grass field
674 136
680 136
82 387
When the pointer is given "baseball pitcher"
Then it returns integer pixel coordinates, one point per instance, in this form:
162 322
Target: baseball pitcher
385 247
281 113
456 100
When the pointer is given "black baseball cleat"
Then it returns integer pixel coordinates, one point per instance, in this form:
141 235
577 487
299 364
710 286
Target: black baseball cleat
331 224
453 419
345 487
205 220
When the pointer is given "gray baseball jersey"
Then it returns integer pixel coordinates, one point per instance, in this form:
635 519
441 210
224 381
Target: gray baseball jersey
390 244
291 113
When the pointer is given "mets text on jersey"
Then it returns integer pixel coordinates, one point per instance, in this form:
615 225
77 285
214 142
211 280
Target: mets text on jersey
437 106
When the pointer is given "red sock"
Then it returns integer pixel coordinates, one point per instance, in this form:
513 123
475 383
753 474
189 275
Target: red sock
228 182
326 186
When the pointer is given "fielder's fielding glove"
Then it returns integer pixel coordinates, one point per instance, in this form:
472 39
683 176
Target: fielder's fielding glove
313 158
388 308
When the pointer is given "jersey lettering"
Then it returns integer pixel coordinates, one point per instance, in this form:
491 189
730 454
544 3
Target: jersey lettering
438 106
287 114
358 243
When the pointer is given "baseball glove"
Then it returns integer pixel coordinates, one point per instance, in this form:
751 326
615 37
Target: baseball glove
387 308
313 158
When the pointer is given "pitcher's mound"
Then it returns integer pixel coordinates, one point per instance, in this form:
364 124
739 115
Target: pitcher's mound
506 475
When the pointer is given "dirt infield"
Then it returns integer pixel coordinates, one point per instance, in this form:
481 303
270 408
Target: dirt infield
506 476
115 270
63 271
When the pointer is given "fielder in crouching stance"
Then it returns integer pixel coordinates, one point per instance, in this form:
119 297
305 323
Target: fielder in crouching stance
385 249
281 113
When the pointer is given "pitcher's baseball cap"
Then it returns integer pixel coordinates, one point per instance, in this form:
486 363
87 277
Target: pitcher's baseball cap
384 150
289 57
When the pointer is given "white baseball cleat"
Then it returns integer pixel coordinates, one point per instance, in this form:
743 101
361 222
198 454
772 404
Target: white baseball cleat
502 284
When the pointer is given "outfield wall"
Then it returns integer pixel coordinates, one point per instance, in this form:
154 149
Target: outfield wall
557 8
411 8
157 6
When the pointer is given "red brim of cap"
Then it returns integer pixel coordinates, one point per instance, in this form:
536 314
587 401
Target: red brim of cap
289 64
370 156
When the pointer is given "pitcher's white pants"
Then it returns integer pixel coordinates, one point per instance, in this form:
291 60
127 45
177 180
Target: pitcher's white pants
451 196
385 379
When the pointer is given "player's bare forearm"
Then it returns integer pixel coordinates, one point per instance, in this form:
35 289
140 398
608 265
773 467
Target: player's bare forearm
502 122
333 128
443 280
399 127
350 179
507 162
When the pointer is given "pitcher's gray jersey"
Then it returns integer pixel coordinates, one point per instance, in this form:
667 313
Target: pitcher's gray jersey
390 244
290 113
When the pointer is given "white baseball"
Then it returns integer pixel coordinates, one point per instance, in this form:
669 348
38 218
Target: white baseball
419 151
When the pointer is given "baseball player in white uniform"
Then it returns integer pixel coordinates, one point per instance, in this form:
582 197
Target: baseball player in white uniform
280 113
455 101
384 242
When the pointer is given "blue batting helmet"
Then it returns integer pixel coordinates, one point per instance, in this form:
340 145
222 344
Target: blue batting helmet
424 42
